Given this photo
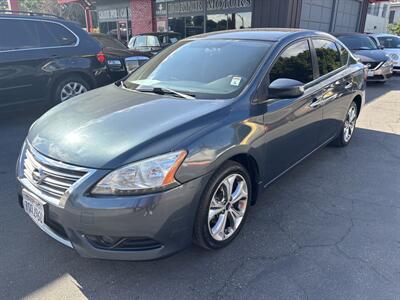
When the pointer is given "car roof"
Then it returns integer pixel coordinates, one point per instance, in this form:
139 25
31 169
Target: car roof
263 34
348 34
384 34
38 17
159 33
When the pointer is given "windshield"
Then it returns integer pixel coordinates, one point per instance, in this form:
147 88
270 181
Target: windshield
358 42
168 39
207 69
389 41
109 42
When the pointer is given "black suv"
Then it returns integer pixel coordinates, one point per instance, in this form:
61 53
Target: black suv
46 58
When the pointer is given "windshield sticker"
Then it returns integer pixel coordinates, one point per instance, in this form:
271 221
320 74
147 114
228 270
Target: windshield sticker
236 81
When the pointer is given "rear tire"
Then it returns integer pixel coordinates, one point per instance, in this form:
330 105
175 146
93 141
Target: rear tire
69 87
348 127
224 206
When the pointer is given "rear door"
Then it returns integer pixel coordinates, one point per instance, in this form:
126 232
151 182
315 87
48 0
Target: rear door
29 50
18 63
336 85
293 124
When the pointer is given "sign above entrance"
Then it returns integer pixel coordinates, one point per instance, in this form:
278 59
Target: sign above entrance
114 14
195 7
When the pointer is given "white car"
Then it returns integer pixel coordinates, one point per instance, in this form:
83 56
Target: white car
391 44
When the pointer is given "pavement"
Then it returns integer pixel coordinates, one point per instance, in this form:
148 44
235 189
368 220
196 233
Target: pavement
328 229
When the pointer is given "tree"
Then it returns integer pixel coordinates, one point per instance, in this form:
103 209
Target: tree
3 4
394 28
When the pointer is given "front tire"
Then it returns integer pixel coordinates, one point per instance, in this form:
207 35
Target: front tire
224 206
348 127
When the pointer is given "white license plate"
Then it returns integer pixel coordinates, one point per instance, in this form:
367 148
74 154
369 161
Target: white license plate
34 207
371 73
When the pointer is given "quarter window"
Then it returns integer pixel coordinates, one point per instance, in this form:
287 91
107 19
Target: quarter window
294 63
60 36
328 56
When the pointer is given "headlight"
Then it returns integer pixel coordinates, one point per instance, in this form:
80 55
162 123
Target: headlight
145 176
394 56
387 63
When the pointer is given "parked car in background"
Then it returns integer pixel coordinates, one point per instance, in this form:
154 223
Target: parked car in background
139 169
153 42
119 59
391 44
46 59
380 65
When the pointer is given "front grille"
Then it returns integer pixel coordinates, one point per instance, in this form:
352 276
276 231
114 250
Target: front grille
373 65
50 177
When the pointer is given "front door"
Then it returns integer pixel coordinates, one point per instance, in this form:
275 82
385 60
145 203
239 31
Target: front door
293 124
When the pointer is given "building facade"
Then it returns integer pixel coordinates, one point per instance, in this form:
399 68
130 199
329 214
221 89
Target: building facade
394 14
378 15
189 17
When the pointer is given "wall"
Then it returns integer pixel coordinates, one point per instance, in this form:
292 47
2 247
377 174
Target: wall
377 23
331 15
142 16
276 13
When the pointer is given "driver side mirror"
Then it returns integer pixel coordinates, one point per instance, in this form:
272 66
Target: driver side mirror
381 47
284 88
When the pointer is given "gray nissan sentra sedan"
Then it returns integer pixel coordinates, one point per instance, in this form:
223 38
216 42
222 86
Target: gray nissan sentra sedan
178 151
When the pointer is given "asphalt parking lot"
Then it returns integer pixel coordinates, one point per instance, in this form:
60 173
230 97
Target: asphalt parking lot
328 229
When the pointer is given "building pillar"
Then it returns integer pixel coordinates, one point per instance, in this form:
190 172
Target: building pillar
13 5
142 16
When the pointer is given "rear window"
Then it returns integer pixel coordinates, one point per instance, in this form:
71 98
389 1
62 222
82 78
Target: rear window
109 42
358 42
25 34
390 42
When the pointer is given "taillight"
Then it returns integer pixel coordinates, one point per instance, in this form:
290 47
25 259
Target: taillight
101 57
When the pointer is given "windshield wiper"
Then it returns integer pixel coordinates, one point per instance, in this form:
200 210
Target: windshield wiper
166 91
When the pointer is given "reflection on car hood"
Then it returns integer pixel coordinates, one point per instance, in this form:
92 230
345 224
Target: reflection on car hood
106 127
371 55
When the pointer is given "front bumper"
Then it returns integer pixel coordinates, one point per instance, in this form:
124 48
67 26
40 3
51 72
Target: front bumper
380 74
151 226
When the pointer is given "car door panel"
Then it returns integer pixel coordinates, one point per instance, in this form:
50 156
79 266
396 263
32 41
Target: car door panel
292 128
292 125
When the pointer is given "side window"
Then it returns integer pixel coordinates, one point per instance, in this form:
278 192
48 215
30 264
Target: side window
17 34
294 63
152 41
58 35
344 54
328 56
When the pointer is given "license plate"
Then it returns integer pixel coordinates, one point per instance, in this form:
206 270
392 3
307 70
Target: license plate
34 207
371 73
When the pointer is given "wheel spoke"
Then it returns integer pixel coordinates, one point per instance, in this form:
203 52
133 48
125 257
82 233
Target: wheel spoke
219 229
240 192
229 182
213 212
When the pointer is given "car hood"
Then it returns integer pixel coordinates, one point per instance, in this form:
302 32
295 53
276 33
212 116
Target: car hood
110 126
371 55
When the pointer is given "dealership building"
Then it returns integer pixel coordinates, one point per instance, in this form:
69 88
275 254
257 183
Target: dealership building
190 17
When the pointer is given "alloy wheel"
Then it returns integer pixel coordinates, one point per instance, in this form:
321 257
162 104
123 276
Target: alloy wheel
350 124
227 208
72 89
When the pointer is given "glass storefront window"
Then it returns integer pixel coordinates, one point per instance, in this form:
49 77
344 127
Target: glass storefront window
218 22
187 26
